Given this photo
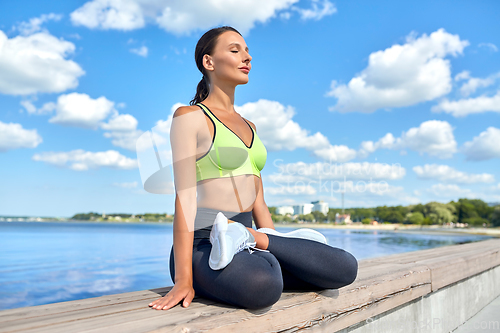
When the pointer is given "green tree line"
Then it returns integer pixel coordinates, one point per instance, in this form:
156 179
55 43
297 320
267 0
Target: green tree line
474 212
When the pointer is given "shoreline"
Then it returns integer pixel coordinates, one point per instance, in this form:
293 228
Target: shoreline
495 232
396 227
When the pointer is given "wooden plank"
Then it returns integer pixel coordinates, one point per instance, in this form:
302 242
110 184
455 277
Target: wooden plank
445 271
382 284
92 318
77 305
292 310
414 256
331 305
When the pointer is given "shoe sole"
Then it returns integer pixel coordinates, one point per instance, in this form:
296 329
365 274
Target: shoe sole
220 227
315 235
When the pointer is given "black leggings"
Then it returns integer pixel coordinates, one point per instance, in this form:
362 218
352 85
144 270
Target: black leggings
256 280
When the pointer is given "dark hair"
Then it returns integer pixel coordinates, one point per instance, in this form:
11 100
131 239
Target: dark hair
206 45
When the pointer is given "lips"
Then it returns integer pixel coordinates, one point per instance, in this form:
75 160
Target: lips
245 68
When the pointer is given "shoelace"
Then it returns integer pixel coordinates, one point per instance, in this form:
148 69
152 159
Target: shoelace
251 248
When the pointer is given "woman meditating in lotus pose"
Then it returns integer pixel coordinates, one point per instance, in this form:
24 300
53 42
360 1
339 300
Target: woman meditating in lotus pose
217 158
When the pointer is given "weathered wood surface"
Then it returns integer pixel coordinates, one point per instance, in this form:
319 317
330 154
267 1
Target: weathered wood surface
382 284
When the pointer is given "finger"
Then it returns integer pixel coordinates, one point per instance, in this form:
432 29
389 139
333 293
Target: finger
155 302
170 304
161 302
167 301
188 300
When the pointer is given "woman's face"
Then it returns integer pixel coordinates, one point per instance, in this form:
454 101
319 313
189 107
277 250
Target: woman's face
228 59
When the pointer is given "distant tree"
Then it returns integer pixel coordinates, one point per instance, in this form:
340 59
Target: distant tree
277 218
415 218
473 211
418 208
426 221
439 213
85 217
495 217
319 216
272 210
366 220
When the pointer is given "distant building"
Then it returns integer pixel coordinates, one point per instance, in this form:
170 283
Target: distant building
283 210
320 206
343 218
302 209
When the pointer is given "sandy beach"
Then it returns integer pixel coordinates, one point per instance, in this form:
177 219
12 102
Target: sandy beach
396 227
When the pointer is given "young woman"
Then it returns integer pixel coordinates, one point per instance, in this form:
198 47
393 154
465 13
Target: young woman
217 158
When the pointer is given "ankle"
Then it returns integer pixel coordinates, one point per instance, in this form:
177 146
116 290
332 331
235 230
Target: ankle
260 238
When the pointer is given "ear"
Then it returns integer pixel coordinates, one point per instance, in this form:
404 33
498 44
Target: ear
207 62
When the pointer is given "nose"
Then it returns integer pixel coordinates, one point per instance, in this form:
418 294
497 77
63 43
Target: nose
247 58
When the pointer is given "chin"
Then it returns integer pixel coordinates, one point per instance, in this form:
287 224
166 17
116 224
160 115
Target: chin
244 81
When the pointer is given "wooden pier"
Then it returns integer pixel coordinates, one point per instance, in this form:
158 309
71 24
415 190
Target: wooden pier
384 287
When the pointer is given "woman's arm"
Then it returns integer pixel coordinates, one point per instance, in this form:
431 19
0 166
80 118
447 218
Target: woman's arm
186 123
260 212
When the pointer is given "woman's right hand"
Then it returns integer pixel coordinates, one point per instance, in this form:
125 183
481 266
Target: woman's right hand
180 291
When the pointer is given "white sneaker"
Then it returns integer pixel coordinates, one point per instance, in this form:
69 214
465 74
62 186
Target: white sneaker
228 239
304 233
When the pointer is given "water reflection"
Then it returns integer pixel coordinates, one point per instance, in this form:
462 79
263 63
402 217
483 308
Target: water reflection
365 244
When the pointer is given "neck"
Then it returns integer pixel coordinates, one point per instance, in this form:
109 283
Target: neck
222 97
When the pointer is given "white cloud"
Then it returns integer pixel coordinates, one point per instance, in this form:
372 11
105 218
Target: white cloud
75 36
301 171
36 64
124 139
126 185
401 75
123 130
80 160
120 122
81 110
32 109
464 107
362 182
316 12
109 14
285 15
483 147
278 131
491 46
445 173
354 190
473 83
178 16
450 191
141 51
14 136
434 137
35 24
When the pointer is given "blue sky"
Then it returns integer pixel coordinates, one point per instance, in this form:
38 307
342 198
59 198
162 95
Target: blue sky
405 95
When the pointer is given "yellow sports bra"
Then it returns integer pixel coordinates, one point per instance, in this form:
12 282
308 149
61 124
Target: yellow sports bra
228 155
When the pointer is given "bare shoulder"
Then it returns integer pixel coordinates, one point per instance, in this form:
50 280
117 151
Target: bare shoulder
182 110
251 124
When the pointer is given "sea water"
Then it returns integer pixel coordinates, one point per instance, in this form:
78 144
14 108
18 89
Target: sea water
47 262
